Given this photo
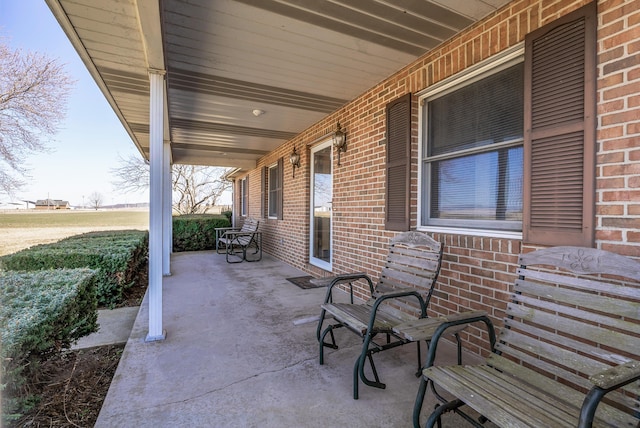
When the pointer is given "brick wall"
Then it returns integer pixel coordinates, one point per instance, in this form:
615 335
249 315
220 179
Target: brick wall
618 171
477 271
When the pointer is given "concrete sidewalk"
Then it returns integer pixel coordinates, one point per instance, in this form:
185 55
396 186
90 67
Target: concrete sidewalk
234 357
114 328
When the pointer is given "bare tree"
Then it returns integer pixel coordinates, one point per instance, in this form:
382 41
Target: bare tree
95 200
34 90
195 188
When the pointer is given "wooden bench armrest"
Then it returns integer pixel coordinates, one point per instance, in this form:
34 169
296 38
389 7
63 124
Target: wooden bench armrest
617 376
425 328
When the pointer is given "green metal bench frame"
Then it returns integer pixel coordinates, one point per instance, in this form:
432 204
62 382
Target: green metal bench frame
401 295
567 355
236 241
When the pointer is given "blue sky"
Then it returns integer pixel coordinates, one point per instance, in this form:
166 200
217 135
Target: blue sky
91 138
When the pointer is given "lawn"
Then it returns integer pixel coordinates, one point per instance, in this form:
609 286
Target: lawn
23 229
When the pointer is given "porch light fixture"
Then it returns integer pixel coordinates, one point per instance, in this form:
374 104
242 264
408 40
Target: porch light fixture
340 141
294 158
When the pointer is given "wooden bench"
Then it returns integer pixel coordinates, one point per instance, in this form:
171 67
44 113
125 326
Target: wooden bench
236 241
401 295
567 355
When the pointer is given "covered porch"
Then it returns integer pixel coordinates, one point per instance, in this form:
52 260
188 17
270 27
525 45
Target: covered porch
237 354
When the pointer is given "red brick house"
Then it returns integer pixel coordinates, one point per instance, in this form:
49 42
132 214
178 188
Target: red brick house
519 130
571 181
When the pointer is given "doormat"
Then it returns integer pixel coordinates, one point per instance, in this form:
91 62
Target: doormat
303 282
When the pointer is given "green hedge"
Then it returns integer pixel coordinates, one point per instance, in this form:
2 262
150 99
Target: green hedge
117 256
41 312
197 232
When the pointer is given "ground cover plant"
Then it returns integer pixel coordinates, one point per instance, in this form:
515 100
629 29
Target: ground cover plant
41 313
117 256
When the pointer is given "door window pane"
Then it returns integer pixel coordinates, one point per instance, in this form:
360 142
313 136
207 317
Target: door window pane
321 205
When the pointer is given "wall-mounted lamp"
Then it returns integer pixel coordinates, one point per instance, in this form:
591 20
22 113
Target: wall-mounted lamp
294 158
340 141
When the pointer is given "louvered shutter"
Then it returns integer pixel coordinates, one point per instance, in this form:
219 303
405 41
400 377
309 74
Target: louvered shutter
398 164
560 124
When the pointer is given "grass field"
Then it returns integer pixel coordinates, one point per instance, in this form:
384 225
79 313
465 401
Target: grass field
23 229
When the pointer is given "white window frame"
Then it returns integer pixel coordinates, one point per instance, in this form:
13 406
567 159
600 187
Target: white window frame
499 62
244 200
271 215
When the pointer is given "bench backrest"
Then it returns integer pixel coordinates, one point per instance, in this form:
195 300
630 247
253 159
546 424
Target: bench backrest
413 262
574 312
250 225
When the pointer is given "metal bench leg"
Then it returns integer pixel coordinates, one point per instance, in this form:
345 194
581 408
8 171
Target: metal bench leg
333 345
358 369
436 416
230 251
419 372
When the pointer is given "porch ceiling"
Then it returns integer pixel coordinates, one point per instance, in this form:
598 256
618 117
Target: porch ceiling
296 60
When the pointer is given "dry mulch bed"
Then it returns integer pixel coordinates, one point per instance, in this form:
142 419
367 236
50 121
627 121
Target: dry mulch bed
71 385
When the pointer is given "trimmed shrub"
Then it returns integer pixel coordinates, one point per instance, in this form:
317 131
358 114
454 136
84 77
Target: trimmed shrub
117 256
197 232
41 312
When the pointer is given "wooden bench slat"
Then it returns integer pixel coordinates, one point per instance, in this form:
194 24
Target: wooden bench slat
612 306
424 328
489 398
556 389
508 401
560 357
423 252
568 376
402 280
583 261
614 289
357 316
586 348
580 329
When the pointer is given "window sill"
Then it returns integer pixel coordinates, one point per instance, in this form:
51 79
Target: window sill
472 232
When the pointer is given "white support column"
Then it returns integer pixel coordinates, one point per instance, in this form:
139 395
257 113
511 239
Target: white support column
167 220
156 158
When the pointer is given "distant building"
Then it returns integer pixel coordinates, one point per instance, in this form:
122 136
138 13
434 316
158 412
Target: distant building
52 204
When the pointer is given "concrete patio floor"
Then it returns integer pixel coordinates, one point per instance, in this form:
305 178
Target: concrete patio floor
233 357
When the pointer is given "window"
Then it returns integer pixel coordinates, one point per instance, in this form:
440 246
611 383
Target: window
511 146
244 196
472 165
275 179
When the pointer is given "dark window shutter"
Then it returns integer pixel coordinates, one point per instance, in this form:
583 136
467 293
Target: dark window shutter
263 192
398 165
560 126
280 193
